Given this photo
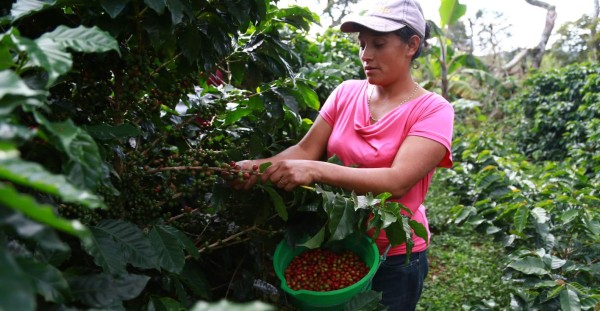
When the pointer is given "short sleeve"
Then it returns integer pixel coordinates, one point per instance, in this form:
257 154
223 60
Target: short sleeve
436 122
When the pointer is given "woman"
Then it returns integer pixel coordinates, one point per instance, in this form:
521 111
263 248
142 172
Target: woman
390 133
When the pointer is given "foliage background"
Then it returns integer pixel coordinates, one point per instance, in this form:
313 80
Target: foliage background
105 108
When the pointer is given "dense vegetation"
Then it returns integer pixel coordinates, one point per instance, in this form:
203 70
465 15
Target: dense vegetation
118 120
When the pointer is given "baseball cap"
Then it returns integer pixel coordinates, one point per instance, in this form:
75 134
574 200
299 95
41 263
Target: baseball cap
387 16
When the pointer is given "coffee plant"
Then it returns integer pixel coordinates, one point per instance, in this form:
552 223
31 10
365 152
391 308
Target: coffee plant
529 190
120 126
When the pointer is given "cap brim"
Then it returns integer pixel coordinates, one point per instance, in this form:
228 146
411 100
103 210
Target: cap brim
375 23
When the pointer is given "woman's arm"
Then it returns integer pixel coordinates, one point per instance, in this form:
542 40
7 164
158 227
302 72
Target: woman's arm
416 157
311 147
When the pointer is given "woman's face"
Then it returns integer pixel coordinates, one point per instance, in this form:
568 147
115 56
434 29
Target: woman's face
385 57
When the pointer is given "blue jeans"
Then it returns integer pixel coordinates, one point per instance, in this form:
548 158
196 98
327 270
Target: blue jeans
400 283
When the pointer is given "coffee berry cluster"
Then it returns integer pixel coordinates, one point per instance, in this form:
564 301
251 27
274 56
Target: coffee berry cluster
231 171
324 270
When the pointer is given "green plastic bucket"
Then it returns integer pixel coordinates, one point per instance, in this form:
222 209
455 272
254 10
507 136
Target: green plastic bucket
363 246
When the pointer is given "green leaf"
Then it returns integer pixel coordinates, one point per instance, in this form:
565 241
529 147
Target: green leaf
195 278
288 98
46 54
395 234
102 290
113 7
157 5
47 280
419 230
277 201
84 167
520 219
11 84
342 217
311 99
43 236
25 7
178 8
107 253
569 300
554 292
530 265
316 240
41 213
108 132
16 291
569 215
35 176
117 243
170 254
187 243
82 39
450 12
366 300
235 115
164 304
540 215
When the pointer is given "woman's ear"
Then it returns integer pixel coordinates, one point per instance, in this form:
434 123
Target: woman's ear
414 43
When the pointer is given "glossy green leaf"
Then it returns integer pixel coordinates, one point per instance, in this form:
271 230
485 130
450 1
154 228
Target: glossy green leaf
521 217
157 5
81 39
555 291
195 278
47 279
113 7
540 215
367 300
25 7
450 12
107 253
41 213
288 98
107 132
170 253
46 54
342 219
309 96
84 167
396 234
164 304
419 229
569 300
11 84
530 265
102 290
178 9
35 176
185 241
316 240
117 243
16 290
277 201
236 114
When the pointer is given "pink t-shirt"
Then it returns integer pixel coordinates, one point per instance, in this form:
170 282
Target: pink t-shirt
358 142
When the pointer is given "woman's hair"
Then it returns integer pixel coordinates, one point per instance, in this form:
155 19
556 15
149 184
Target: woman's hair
406 33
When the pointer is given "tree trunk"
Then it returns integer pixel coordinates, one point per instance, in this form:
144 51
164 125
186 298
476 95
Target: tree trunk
550 19
594 38
538 51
